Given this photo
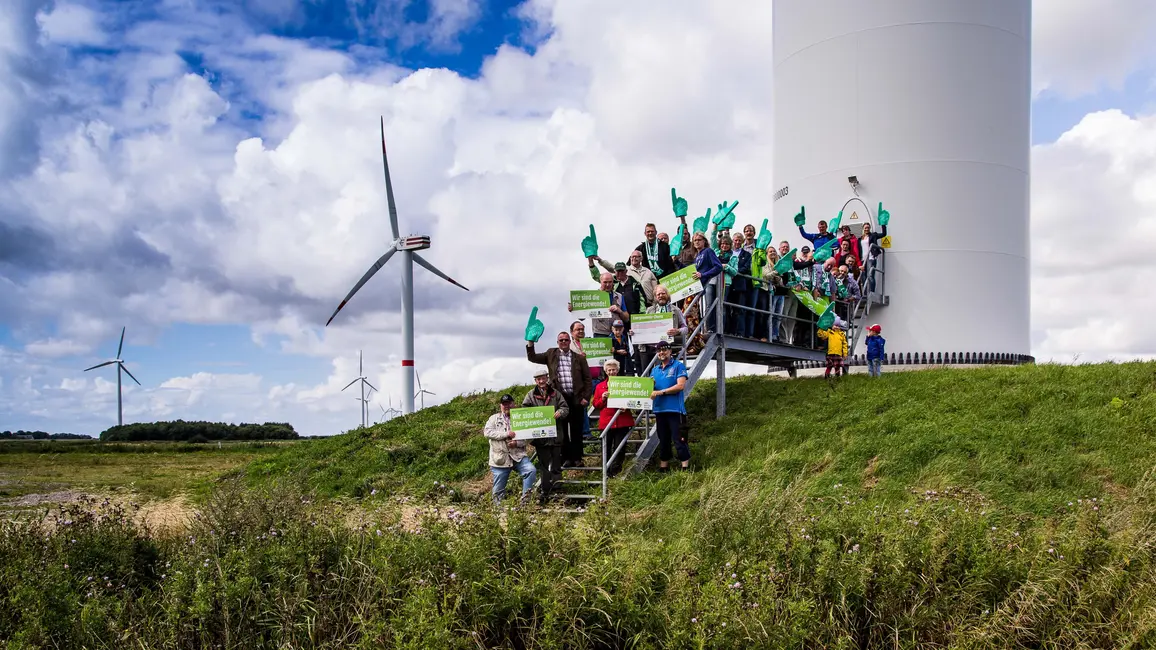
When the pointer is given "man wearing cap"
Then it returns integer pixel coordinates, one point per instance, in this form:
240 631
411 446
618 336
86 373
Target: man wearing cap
507 454
549 449
570 376
633 295
636 271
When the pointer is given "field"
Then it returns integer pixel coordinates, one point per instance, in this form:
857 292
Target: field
35 471
987 508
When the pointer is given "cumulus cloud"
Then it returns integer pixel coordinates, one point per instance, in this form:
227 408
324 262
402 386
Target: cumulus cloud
1094 209
165 201
1080 46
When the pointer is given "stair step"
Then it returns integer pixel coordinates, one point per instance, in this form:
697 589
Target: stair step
578 482
581 469
586 497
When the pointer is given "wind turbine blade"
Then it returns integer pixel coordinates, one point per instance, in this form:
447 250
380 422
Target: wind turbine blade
430 392
365 278
120 347
100 365
389 186
433 269
371 385
129 374
418 376
352 383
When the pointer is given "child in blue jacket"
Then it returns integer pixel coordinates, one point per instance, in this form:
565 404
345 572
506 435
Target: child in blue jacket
875 353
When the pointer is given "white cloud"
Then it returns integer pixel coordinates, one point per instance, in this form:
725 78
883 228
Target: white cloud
160 208
72 24
1080 47
1093 212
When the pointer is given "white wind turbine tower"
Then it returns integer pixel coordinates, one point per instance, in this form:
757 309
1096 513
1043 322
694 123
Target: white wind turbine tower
364 382
408 245
386 413
119 367
421 391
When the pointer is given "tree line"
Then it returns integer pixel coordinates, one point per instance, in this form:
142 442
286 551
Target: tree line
184 431
41 435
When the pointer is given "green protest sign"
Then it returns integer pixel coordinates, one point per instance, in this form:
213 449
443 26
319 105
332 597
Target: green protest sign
682 283
816 305
533 422
630 393
648 329
590 303
597 350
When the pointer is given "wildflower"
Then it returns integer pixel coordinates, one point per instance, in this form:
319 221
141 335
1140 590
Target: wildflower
694 620
453 576
854 549
66 566
373 492
1051 550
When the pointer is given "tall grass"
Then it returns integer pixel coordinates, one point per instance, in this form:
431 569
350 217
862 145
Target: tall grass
277 568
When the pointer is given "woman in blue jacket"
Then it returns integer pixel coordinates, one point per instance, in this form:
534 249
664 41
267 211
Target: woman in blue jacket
707 267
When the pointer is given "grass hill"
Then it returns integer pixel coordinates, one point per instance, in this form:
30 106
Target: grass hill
1031 438
984 508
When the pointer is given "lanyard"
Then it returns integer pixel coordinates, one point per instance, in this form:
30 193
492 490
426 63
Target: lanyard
652 256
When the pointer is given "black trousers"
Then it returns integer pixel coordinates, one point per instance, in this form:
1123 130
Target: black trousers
670 431
572 436
549 468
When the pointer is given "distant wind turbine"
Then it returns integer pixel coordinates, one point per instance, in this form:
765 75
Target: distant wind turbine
409 245
364 382
422 392
119 367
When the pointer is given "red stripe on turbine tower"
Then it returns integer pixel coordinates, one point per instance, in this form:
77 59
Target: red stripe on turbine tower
406 362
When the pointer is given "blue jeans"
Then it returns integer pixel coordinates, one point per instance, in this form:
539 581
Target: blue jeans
502 474
875 367
777 305
709 293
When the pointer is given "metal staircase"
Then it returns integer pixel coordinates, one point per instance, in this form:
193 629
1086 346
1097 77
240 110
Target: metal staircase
592 481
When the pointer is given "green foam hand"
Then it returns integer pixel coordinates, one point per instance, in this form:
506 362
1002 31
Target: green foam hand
725 219
590 244
825 251
828 317
786 263
801 218
534 327
834 225
883 215
678 203
676 243
700 224
764 239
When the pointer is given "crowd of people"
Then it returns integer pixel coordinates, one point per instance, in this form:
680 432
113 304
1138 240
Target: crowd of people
771 293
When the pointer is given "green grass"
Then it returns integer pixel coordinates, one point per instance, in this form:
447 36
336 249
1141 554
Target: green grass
987 508
1031 438
406 454
159 469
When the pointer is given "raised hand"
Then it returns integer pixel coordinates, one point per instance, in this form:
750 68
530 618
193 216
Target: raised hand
678 203
590 244
701 224
786 263
764 239
725 219
883 215
676 243
534 327
801 217
834 225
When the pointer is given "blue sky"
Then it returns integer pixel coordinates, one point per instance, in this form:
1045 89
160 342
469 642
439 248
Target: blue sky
190 170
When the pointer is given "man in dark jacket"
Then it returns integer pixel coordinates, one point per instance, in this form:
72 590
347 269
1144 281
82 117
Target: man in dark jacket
569 376
655 253
549 449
